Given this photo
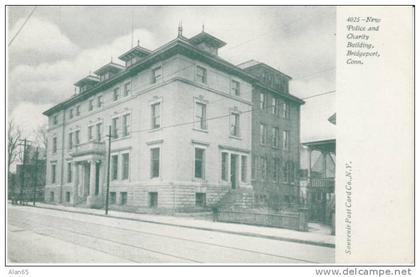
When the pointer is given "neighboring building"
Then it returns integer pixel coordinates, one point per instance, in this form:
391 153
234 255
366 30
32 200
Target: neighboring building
30 178
275 137
181 125
318 178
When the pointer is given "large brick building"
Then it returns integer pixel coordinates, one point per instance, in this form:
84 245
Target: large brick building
181 121
275 136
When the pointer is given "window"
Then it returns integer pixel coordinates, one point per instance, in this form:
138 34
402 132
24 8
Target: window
155 153
275 137
200 199
77 138
116 94
199 163
51 196
70 141
236 89
127 87
90 132
53 173
224 166
126 125
264 167
99 131
114 171
156 116
67 196
105 76
115 123
69 172
71 113
90 104
286 143
78 110
254 166
234 124
99 101
201 74
112 197
55 120
125 165
286 111
123 198
263 100
276 168
288 173
263 134
200 116
153 199
275 106
54 145
243 168
157 74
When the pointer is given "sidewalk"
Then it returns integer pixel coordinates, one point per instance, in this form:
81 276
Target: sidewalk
313 238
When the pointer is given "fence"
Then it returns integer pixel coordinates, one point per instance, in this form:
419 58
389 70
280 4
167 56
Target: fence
283 219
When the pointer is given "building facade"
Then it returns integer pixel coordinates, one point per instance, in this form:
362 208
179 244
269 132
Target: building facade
275 137
181 122
180 126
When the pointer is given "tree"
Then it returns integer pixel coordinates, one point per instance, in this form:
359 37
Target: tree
14 134
41 136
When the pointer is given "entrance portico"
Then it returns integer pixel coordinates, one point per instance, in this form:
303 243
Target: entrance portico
89 174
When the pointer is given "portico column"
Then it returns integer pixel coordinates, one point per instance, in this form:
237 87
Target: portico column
81 180
75 183
92 178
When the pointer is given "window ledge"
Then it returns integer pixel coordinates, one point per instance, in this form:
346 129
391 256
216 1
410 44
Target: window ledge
121 138
235 137
200 180
155 130
201 130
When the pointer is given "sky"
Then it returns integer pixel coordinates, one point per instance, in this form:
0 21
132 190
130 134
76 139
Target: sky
60 45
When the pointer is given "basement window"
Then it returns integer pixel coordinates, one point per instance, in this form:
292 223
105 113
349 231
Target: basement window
112 197
200 199
153 199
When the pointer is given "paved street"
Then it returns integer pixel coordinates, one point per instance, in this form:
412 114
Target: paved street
48 236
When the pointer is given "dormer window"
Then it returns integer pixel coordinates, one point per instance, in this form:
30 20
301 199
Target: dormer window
107 71
134 55
106 76
87 83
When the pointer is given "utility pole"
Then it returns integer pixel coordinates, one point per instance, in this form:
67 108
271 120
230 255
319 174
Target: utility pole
23 173
35 176
108 171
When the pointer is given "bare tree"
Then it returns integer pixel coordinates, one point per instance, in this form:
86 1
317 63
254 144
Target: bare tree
14 134
41 136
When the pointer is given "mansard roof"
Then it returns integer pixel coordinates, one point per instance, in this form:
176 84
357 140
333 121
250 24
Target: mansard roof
179 45
207 38
109 67
90 79
136 51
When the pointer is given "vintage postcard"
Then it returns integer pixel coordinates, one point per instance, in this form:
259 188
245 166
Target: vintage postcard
209 135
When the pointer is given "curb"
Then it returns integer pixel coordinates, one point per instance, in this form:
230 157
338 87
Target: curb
247 234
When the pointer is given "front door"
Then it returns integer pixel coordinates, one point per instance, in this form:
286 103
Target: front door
233 170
